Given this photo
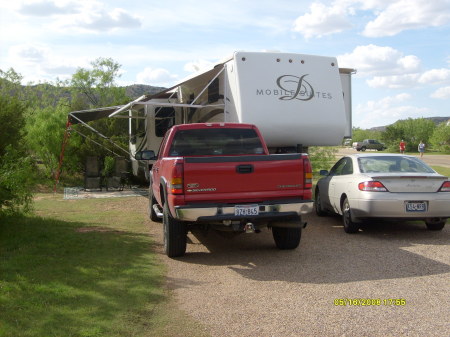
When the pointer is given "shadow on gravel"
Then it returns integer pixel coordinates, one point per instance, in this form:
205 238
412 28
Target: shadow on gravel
327 255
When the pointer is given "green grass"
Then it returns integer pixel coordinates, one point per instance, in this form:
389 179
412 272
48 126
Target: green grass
442 170
84 268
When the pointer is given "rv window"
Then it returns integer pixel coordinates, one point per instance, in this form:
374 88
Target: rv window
164 120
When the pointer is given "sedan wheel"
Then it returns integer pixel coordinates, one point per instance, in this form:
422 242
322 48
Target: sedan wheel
349 226
318 205
435 225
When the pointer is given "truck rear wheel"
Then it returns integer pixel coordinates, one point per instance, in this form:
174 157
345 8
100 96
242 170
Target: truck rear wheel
175 236
287 238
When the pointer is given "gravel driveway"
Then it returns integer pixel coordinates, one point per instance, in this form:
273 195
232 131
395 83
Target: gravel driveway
246 287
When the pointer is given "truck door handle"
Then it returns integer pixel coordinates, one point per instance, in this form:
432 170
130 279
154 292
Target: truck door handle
244 168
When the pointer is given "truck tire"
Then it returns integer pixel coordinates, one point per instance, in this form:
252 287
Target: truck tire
363 149
175 235
286 238
350 226
152 201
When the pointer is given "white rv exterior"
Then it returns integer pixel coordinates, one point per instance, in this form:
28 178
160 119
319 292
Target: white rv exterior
294 99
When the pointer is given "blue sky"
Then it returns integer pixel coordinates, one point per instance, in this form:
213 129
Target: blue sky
400 48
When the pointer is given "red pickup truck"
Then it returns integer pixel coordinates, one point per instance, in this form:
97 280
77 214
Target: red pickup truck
221 176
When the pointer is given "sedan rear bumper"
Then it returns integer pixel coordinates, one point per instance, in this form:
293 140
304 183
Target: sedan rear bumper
393 205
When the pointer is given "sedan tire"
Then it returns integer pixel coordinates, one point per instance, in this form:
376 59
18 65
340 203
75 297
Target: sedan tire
435 225
350 226
318 204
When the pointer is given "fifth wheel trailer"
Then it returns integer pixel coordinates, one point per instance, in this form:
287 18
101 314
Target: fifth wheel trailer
296 100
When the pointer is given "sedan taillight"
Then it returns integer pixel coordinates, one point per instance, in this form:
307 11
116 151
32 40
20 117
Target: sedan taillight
372 186
445 187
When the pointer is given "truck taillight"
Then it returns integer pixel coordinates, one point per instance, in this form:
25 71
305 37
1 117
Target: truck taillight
308 177
176 183
445 187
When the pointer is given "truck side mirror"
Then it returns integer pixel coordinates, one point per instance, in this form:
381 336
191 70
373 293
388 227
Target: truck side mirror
145 155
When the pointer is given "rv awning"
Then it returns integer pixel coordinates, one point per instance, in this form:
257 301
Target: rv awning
192 81
91 115
76 117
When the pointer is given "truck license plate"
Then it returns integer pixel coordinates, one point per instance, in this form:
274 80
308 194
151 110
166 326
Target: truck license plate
416 206
240 210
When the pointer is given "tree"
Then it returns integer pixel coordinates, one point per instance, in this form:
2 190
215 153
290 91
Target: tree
17 180
12 122
441 137
97 87
412 131
358 134
45 130
16 168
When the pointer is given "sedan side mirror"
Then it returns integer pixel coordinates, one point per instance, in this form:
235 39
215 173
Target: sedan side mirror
323 172
145 155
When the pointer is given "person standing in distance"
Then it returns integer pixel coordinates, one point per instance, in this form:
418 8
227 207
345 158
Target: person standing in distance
402 146
421 148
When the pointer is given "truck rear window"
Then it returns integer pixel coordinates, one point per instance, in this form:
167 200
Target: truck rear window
215 142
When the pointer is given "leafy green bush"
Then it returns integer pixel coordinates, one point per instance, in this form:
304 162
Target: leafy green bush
17 180
322 157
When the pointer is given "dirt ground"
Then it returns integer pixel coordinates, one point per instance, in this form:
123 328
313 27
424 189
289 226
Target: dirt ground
246 287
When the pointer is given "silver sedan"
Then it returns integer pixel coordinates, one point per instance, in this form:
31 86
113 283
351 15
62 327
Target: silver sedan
388 186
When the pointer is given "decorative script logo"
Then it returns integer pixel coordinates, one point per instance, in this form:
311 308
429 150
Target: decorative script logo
291 87
303 91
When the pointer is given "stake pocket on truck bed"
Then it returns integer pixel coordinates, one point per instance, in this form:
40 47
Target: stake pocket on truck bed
221 176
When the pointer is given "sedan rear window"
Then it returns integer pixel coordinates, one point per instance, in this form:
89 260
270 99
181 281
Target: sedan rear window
215 142
386 164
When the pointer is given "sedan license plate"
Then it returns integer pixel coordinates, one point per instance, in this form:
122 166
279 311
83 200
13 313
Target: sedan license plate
246 210
416 206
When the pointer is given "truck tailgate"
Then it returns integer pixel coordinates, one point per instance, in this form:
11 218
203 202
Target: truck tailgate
248 178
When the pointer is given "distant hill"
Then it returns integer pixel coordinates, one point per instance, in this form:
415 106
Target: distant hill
436 120
132 91
137 90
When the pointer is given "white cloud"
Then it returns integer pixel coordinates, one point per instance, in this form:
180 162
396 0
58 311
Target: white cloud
377 60
386 111
38 62
199 65
393 82
390 68
47 8
435 76
103 20
408 14
322 20
156 77
441 93
29 53
82 15
391 16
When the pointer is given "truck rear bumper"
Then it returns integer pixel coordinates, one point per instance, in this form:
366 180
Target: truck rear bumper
267 211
